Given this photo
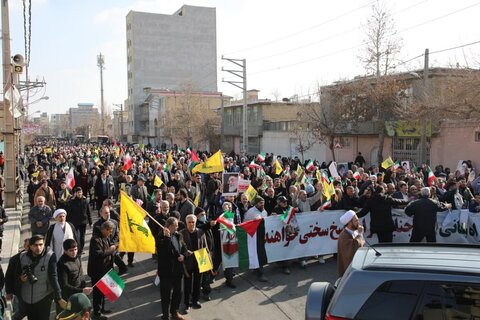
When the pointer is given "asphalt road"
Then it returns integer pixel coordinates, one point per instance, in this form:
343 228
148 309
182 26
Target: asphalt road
282 297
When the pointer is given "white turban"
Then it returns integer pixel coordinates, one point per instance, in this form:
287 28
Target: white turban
347 216
59 211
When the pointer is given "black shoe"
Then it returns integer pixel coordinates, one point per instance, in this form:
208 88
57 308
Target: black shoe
206 297
230 284
105 311
98 316
196 305
186 309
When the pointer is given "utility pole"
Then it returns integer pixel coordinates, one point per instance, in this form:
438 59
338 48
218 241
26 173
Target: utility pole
100 63
242 74
423 120
6 123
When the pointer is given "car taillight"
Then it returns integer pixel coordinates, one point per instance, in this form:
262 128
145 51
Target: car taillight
330 317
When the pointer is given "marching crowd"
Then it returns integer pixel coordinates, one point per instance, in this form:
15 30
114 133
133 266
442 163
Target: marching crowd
67 183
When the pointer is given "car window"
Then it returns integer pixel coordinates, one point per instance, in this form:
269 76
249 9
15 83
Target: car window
449 301
394 300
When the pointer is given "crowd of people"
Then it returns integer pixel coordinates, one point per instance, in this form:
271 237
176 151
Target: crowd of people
67 183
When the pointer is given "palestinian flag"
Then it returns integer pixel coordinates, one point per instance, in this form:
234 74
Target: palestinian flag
356 175
431 177
251 244
261 157
194 159
310 166
226 221
111 285
287 216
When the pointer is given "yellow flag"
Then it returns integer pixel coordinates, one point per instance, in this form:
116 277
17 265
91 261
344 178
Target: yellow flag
117 151
212 164
299 170
35 174
203 260
328 189
387 163
135 235
48 150
157 182
197 199
169 159
278 167
250 193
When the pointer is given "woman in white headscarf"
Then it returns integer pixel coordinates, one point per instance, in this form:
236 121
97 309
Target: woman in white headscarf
59 232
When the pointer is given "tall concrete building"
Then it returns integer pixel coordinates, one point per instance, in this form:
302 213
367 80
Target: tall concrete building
167 51
85 120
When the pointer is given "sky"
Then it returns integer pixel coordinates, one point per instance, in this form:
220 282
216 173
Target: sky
290 47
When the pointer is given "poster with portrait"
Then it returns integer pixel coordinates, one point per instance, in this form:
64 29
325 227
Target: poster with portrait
230 184
406 166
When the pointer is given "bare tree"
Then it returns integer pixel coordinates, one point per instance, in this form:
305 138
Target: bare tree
382 43
193 119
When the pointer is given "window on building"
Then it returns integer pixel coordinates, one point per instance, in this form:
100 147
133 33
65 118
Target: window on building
477 136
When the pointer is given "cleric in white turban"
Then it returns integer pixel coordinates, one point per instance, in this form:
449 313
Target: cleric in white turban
351 238
59 232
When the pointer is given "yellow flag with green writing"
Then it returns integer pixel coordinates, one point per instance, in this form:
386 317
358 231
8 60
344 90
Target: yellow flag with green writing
135 235
196 201
211 165
387 163
203 260
250 193
157 182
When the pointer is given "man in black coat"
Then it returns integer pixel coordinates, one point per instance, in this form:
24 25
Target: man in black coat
100 261
424 212
171 252
79 215
380 208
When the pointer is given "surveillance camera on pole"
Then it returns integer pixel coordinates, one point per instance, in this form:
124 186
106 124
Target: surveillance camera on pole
18 62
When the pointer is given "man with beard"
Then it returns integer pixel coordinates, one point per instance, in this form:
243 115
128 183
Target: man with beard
40 216
350 239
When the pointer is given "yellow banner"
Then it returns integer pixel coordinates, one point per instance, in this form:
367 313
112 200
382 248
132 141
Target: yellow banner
211 165
203 260
278 167
135 235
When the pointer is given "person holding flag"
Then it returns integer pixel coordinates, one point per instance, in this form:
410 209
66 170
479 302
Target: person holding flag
171 251
100 261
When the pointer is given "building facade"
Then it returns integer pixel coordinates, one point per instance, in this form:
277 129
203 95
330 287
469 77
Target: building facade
273 127
85 120
166 51
60 125
448 140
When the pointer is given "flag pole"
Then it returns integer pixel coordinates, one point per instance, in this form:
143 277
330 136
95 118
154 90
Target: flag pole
122 193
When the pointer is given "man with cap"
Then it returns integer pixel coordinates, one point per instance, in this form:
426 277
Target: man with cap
255 213
140 192
59 232
350 239
78 308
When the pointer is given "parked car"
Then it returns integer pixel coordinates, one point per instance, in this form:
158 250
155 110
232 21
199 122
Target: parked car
402 281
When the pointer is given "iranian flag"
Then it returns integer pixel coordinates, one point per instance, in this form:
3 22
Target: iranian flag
326 205
251 244
188 151
356 175
226 221
128 162
261 157
309 166
431 177
111 285
70 179
253 165
287 216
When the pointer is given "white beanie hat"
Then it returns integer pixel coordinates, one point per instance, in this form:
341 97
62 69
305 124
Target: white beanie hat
347 216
